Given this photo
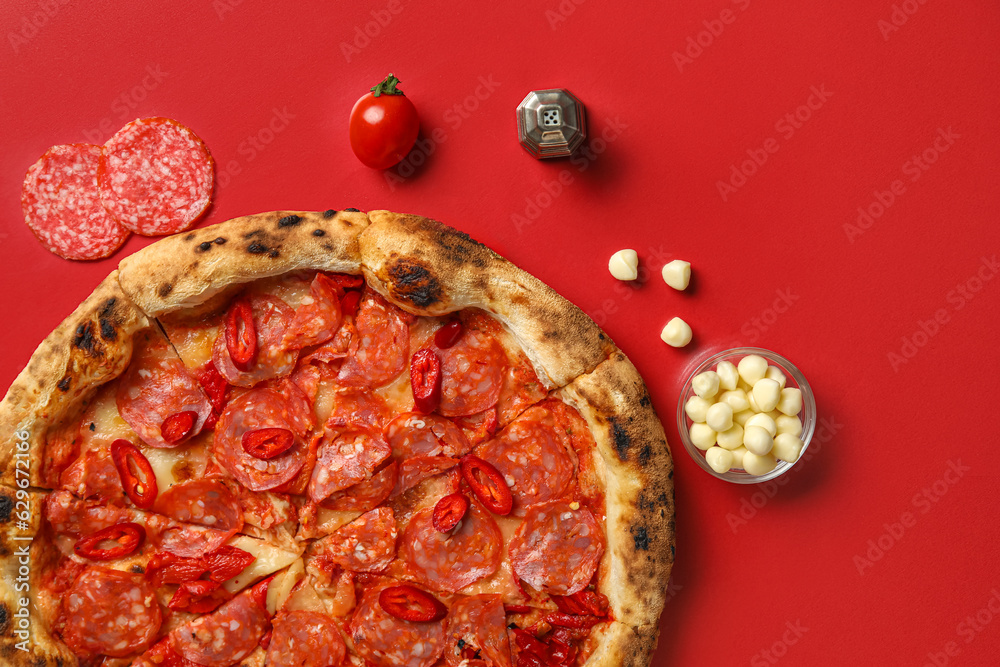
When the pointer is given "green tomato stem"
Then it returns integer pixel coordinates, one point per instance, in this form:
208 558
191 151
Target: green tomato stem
387 87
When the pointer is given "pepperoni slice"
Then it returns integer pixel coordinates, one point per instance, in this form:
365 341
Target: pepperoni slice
184 539
305 639
357 407
452 561
386 641
344 459
256 409
156 386
343 344
62 204
272 317
413 434
521 389
472 374
367 495
225 636
557 549
367 544
383 344
111 613
478 625
73 516
318 316
93 475
531 453
418 468
206 502
155 176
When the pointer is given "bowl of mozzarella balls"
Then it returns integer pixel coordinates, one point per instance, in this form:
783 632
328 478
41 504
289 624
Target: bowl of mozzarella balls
746 415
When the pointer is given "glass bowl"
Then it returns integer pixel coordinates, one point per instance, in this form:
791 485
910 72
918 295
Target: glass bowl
794 378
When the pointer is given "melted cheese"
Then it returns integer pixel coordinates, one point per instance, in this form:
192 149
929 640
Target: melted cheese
101 424
503 581
269 560
194 343
281 587
179 464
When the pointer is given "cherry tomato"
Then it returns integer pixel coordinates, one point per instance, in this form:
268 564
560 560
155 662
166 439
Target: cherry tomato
383 125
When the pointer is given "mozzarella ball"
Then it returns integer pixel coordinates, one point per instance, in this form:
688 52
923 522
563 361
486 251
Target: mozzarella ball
738 454
752 368
706 384
697 408
677 333
765 422
720 417
756 464
728 375
719 459
730 438
736 398
624 265
789 425
702 436
787 447
743 416
776 374
790 402
757 440
677 274
766 393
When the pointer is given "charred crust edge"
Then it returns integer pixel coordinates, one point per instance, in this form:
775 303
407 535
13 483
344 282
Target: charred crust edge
289 221
414 282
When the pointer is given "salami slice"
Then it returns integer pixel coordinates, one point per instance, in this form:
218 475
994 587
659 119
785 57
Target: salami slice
155 176
271 317
73 516
367 544
367 495
477 625
345 458
357 407
343 344
318 316
184 539
532 456
557 548
383 344
451 561
413 434
257 409
93 475
111 613
418 468
224 637
62 205
386 641
472 374
305 639
155 386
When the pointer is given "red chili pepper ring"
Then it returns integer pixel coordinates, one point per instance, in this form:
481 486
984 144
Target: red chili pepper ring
409 603
138 479
127 538
267 443
487 483
241 334
425 380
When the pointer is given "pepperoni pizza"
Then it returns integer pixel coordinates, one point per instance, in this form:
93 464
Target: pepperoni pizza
322 439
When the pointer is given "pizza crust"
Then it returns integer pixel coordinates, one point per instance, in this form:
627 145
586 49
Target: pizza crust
90 347
428 268
638 474
189 268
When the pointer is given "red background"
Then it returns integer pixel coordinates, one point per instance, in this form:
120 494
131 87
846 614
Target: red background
675 115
